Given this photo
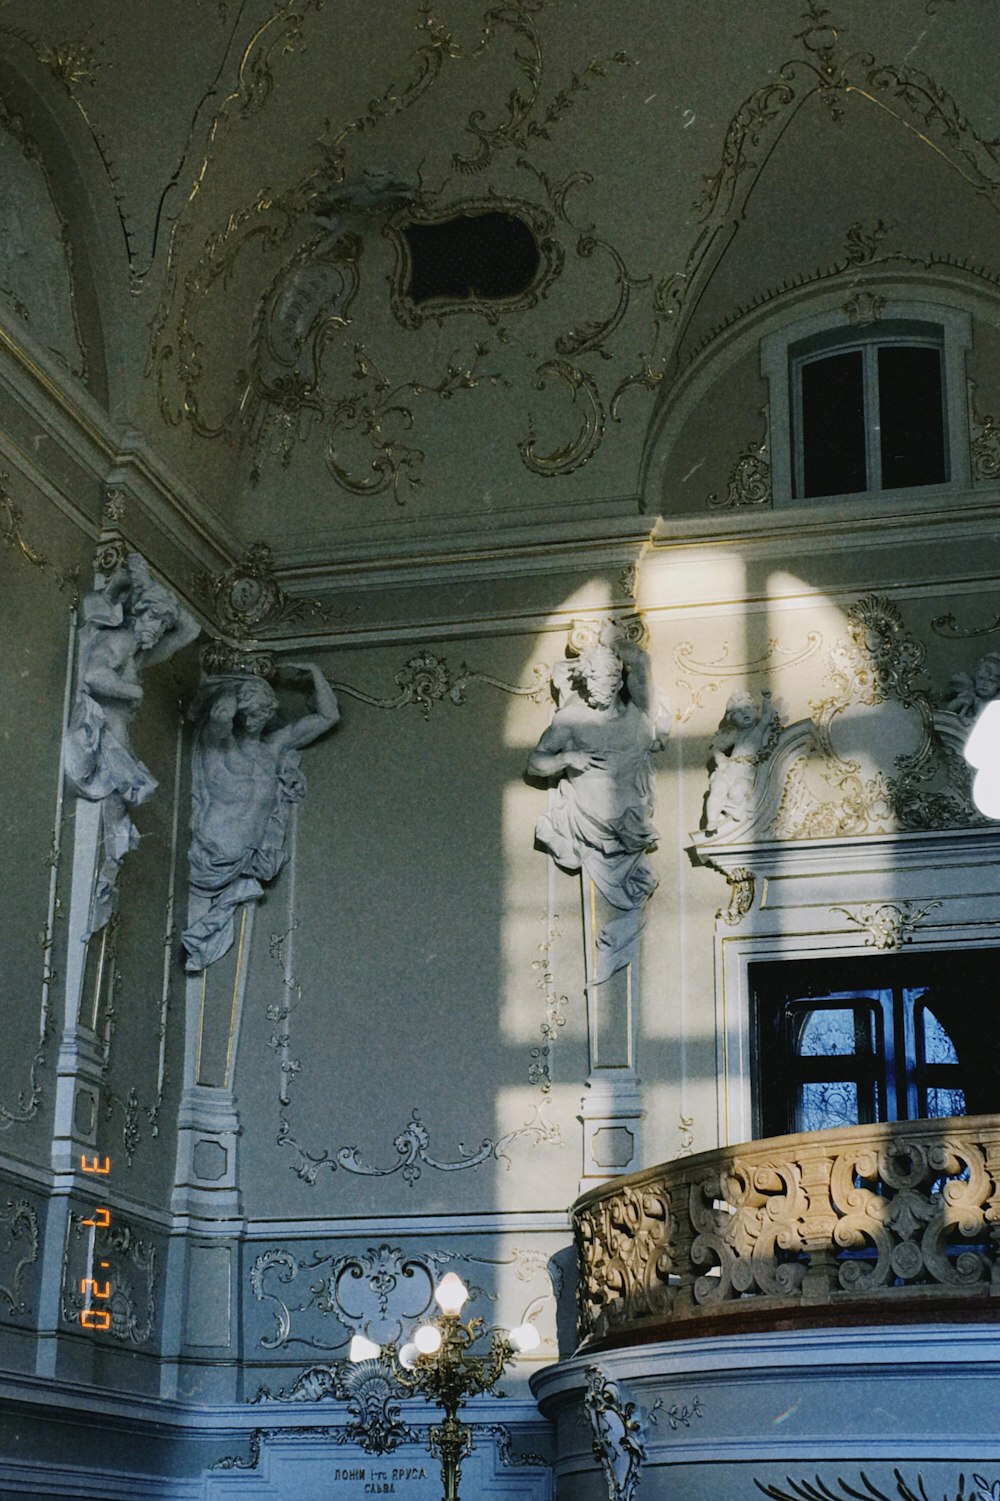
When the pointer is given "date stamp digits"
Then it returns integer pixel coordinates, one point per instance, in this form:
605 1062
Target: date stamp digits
93 1289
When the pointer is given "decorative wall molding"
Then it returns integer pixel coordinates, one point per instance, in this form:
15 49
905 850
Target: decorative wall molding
132 1272
749 482
11 517
19 1240
617 1430
889 925
913 779
379 1292
539 1069
777 658
411 1145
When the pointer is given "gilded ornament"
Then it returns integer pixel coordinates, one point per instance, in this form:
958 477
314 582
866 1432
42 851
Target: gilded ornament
538 220
742 886
984 433
910 1202
592 333
822 71
578 449
888 924
19 1224
864 309
749 482
247 599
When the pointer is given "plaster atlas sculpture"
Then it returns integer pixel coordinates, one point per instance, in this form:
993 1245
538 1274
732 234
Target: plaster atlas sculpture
129 622
597 750
246 779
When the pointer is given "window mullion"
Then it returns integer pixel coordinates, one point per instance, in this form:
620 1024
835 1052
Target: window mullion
873 427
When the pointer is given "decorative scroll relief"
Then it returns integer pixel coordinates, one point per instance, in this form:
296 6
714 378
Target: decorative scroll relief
412 1155
373 1398
617 1432
379 1292
777 658
749 482
127 1263
11 517
412 1143
889 925
821 70
19 1241
827 1216
882 753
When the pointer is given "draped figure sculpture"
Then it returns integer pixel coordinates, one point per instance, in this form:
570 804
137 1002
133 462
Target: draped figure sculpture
246 778
743 740
128 622
598 750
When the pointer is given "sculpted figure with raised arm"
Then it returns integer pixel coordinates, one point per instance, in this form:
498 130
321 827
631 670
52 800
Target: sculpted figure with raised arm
128 623
246 778
597 750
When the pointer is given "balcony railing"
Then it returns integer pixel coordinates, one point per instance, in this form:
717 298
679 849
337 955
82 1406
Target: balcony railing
881 1222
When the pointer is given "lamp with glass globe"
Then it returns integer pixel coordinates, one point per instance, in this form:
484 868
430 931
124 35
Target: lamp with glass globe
438 1365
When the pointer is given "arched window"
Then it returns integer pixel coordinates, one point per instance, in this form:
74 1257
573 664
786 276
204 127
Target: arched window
874 410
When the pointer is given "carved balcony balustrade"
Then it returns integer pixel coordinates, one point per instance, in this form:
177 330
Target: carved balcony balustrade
879 1223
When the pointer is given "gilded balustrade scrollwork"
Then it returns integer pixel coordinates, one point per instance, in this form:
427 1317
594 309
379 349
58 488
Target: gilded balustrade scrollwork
793 1227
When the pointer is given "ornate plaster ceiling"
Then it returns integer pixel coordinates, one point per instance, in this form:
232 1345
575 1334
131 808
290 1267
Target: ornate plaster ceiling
252 167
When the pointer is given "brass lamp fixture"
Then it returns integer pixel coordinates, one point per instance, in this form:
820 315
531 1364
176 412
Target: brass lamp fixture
438 1365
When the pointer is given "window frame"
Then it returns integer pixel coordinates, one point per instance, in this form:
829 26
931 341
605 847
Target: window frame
897 1073
899 322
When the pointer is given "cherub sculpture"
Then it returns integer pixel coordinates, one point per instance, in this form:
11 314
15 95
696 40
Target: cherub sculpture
740 744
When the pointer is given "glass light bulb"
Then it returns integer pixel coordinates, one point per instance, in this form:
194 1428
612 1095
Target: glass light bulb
451 1292
408 1356
525 1337
363 1349
427 1339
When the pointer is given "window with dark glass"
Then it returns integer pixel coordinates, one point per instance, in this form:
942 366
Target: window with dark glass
869 414
900 1037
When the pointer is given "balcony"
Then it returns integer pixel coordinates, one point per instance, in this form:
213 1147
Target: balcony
880 1224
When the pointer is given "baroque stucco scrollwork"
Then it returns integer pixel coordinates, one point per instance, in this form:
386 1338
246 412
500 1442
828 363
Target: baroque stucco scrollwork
378 1292
880 753
132 1276
617 1433
823 70
19 1242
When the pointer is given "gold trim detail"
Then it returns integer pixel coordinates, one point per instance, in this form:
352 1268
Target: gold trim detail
889 925
750 479
413 314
